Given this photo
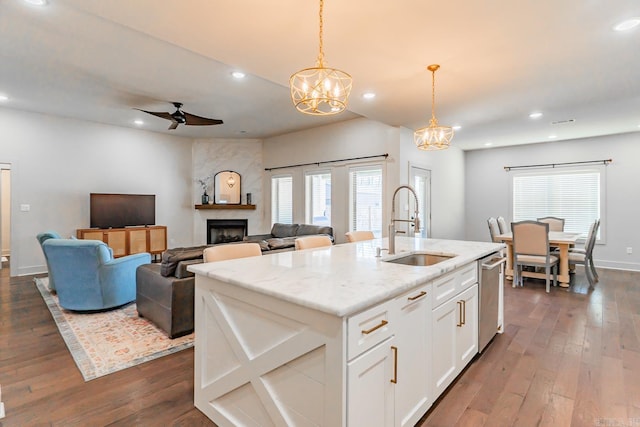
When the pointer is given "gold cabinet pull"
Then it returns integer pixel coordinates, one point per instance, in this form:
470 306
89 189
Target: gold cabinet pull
459 313
464 312
420 295
368 331
395 364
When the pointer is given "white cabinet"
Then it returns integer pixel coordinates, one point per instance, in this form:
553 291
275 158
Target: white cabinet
390 350
370 393
467 334
455 337
412 321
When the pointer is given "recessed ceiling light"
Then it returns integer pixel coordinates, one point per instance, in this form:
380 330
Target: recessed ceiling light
238 75
138 122
368 95
535 115
553 136
456 127
3 97
627 24
36 2
488 144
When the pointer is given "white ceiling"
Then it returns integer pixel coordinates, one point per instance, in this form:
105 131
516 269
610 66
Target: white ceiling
500 60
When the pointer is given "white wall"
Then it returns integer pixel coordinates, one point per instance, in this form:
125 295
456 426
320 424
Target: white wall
447 184
487 186
57 162
243 156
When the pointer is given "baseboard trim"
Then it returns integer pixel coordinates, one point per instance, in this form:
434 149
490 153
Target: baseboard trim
615 265
28 271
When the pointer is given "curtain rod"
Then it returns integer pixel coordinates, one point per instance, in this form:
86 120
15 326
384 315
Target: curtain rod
553 165
385 155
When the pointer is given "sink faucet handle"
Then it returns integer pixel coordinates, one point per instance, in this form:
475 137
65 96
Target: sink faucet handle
379 251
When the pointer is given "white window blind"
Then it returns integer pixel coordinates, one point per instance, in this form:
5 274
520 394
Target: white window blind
282 199
573 195
318 198
365 199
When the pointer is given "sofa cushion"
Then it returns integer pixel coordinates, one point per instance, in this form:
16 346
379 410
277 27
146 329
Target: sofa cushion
181 269
309 229
287 242
171 258
284 230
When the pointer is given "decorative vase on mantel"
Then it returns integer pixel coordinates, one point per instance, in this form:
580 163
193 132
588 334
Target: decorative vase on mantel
205 198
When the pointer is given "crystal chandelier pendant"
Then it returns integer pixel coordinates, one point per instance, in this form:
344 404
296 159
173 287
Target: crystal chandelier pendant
320 91
434 136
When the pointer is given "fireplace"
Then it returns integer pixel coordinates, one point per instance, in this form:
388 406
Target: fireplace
226 230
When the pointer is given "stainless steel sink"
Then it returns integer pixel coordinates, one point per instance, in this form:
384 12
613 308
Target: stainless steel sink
421 259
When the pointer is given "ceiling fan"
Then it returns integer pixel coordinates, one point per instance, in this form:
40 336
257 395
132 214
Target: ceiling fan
180 117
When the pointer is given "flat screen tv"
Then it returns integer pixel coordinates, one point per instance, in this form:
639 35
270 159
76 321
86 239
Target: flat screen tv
121 210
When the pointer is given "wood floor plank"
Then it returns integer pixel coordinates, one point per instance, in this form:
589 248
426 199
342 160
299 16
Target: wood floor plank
558 412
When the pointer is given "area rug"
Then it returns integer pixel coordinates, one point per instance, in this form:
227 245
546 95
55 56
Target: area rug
106 342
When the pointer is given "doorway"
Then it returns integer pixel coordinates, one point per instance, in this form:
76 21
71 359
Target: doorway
420 180
5 214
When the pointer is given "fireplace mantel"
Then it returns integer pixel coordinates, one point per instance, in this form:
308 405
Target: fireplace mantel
214 206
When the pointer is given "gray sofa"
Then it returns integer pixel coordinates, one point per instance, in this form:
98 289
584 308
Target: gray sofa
165 291
283 236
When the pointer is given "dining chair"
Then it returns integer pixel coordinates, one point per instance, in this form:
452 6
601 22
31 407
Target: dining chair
357 236
312 242
531 247
555 223
231 251
494 229
502 225
576 256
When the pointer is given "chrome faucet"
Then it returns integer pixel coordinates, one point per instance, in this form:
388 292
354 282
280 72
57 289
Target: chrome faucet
392 224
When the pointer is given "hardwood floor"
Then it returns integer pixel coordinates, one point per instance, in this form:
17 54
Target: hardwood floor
568 358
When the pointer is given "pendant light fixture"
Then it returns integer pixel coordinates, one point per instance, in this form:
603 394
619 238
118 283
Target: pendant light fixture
434 136
320 91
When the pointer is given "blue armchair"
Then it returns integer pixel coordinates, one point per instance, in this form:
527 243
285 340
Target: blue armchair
43 237
87 277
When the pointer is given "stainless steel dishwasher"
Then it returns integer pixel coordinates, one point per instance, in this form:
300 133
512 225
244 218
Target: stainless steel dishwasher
489 271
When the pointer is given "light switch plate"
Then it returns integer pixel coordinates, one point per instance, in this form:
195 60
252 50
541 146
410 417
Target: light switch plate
25 208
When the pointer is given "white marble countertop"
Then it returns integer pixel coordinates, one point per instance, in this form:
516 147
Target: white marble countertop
343 279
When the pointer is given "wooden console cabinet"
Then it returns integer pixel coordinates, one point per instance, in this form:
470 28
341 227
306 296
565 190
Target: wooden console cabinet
130 240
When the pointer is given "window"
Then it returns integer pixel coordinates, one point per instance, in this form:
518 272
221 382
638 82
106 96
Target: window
575 195
318 198
282 199
365 199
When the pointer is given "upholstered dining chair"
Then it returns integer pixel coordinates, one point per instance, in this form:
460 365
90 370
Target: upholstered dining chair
585 257
231 251
502 225
531 247
555 224
494 229
357 236
312 242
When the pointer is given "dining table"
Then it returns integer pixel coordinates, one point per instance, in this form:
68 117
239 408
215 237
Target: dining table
559 239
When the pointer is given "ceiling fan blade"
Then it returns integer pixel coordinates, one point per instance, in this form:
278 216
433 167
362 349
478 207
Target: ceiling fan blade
162 115
193 120
174 125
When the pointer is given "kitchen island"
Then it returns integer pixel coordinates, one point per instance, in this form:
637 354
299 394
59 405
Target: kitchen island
334 336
